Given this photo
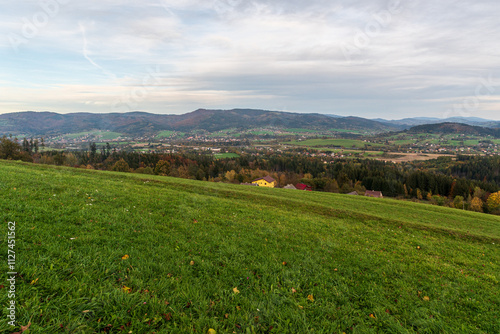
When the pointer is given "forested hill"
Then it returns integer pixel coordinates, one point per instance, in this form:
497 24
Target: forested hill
455 128
142 123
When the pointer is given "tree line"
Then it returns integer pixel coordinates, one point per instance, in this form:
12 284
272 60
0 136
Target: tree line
464 182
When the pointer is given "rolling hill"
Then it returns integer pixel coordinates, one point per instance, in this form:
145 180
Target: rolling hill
110 252
141 123
414 121
455 128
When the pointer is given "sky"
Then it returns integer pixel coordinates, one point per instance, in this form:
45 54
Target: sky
369 58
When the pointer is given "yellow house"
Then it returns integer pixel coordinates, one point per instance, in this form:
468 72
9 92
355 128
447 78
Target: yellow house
266 181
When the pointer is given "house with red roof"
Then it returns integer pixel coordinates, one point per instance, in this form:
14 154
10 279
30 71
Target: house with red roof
302 186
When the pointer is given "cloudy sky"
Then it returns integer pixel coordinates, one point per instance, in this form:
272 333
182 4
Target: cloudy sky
369 58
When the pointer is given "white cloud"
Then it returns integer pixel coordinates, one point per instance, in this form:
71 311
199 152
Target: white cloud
252 53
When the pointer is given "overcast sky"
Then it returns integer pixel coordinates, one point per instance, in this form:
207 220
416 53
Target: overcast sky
368 58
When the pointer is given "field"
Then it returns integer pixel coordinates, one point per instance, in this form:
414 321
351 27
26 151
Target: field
164 134
100 135
226 155
346 143
104 252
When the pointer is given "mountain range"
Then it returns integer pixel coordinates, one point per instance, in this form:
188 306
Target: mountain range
142 123
146 124
408 122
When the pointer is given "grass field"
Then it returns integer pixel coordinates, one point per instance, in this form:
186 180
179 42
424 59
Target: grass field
165 134
346 143
102 135
226 155
104 252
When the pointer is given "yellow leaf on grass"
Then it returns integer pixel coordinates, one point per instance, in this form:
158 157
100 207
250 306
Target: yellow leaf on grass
191 263
212 331
293 290
235 290
34 281
310 297
238 308
301 307
126 289
372 316
124 257
426 298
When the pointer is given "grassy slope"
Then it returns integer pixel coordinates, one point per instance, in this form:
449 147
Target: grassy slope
356 256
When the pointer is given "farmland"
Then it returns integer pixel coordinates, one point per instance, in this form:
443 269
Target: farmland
108 252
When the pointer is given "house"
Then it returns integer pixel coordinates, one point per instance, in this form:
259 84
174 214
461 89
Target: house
289 186
265 181
373 193
302 186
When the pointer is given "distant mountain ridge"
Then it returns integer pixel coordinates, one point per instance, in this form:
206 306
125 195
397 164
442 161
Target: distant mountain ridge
143 123
413 121
455 128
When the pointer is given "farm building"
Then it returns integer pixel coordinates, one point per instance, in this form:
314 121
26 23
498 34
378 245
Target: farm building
265 181
302 186
373 193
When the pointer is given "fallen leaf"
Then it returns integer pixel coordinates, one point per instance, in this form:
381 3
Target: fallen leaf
426 298
301 307
226 315
372 316
293 290
126 289
238 308
124 257
284 263
86 311
191 263
25 328
235 290
310 297
212 331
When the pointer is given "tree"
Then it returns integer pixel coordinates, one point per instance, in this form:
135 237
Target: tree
230 175
162 168
11 150
458 202
419 194
70 159
332 186
476 204
493 202
121 166
145 170
93 151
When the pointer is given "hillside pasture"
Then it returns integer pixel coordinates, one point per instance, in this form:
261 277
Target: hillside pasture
106 252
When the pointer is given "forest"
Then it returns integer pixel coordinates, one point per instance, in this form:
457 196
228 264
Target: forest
462 182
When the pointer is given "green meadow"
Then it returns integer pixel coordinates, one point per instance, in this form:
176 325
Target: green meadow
226 155
346 143
102 135
106 252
